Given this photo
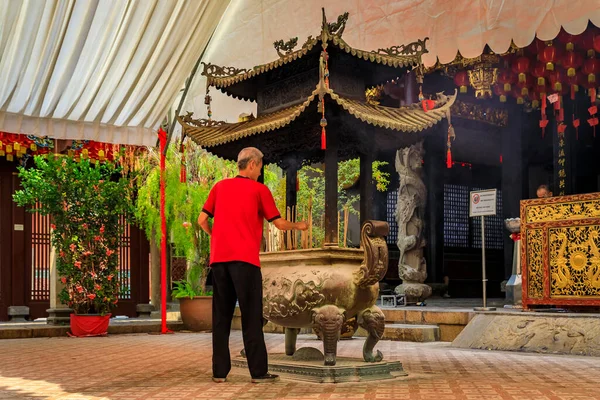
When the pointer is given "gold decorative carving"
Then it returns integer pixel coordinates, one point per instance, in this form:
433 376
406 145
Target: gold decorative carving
336 28
478 112
373 94
575 261
563 211
285 48
535 263
411 49
216 71
202 122
482 78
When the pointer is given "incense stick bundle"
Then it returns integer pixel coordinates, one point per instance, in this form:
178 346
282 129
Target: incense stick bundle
288 215
346 226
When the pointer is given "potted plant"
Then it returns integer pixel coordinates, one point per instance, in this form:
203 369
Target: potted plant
86 202
195 302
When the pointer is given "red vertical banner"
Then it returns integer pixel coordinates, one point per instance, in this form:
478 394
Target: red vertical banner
162 136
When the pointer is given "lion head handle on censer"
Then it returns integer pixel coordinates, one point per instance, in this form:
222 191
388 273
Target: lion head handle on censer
375 263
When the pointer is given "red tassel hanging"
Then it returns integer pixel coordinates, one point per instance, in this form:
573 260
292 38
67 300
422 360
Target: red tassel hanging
592 92
593 121
572 92
323 139
183 169
323 125
449 146
576 126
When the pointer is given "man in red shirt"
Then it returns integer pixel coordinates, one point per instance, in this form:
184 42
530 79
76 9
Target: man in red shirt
239 205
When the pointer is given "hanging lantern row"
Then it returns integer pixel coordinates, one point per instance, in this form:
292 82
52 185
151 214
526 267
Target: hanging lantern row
14 146
565 65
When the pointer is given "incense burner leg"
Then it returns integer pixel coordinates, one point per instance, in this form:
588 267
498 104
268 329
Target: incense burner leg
373 321
329 319
291 334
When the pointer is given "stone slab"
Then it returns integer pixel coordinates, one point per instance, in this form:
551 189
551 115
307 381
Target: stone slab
574 334
38 330
411 333
345 370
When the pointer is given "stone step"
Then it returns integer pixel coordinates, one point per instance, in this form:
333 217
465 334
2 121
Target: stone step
411 333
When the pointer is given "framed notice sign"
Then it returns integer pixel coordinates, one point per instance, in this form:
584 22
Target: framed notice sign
482 203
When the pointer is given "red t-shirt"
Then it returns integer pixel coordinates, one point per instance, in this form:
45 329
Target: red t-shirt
238 206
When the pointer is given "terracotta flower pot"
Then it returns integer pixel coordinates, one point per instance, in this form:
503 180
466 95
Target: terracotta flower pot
196 313
89 325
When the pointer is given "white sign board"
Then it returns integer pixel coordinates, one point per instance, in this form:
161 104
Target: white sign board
482 203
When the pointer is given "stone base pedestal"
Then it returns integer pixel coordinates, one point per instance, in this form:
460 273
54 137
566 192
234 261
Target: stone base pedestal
18 313
144 310
514 289
59 316
345 370
414 291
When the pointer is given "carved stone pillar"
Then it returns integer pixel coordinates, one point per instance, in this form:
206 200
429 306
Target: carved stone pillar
410 210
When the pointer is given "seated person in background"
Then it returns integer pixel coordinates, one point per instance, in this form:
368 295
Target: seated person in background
543 191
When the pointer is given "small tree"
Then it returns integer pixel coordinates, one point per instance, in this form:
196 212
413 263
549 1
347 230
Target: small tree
87 203
183 204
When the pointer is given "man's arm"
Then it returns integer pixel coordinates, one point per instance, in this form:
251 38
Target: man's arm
203 222
285 225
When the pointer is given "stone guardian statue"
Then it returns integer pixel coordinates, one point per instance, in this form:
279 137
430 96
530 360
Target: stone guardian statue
410 210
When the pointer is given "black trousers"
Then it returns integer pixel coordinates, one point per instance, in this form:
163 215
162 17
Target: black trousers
242 282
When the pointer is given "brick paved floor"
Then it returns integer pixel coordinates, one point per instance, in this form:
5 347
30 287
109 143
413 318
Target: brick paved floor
179 366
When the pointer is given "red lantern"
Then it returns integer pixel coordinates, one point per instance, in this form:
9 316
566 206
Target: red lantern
521 66
587 41
591 67
499 91
596 41
549 56
573 82
571 61
516 92
539 70
568 39
535 48
506 78
461 80
555 78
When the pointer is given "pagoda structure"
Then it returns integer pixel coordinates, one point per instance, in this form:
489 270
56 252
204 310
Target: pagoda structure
315 105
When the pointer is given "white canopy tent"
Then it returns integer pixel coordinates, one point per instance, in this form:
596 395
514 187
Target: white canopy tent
103 70
245 36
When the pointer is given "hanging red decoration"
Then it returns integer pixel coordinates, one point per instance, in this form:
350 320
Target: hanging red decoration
499 91
506 79
555 78
587 41
568 40
451 135
521 67
535 99
596 41
183 168
323 124
571 61
590 68
576 124
162 136
549 56
539 71
573 82
461 79
516 92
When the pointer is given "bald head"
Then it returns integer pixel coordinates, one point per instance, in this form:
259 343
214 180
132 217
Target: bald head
248 154
250 162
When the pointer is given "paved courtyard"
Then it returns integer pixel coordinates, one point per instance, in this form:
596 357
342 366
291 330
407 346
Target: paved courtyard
178 366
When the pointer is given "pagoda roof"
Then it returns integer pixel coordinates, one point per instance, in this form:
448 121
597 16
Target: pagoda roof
413 118
402 56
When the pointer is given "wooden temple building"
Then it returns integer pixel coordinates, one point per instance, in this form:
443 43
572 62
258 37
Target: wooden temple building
510 136
314 106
